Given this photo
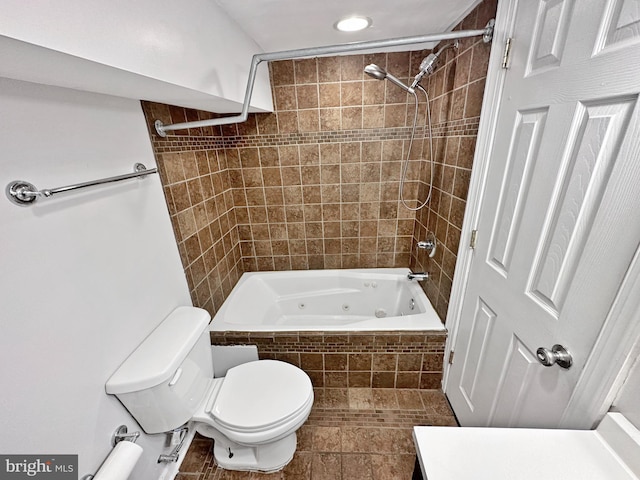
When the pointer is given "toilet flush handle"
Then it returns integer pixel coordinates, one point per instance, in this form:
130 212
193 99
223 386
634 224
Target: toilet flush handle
176 377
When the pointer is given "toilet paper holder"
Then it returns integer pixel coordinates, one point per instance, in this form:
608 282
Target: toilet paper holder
122 434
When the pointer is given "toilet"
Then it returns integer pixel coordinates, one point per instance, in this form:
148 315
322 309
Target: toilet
252 413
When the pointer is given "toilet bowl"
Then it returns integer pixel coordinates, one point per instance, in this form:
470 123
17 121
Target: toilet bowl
252 413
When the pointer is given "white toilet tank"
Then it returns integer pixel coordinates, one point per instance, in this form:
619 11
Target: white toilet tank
164 380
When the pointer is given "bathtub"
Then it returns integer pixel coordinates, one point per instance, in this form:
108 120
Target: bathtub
363 300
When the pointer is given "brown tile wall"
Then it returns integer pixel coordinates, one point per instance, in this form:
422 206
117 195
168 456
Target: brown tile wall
198 192
352 359
319 190
456 90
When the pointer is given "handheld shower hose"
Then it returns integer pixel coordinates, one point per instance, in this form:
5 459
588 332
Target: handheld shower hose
379 73
405 165
427 67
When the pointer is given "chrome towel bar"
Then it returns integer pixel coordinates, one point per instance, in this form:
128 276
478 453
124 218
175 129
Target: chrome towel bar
24 193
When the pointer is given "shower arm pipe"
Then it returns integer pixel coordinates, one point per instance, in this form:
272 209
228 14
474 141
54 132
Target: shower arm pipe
486 33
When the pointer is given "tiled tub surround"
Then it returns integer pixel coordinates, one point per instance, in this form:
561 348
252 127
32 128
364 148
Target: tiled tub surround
456 90
330 324
353 359
315 184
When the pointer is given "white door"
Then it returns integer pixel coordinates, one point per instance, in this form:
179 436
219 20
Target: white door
560 216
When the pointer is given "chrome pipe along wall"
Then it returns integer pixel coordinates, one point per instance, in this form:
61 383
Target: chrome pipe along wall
486 33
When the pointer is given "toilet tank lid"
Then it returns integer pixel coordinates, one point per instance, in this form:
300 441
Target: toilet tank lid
160 354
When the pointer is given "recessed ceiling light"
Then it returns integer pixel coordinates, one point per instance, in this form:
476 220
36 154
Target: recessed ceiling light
352 24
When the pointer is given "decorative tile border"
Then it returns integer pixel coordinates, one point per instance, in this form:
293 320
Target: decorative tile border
181 143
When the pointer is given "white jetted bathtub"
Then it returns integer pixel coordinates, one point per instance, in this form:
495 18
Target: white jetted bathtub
327 300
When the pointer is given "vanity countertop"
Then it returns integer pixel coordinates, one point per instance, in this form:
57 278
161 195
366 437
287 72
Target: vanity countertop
611 452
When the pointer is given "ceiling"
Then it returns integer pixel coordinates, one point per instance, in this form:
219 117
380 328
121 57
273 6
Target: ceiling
277 25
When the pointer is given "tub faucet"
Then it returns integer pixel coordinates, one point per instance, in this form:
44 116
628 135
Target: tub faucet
418 276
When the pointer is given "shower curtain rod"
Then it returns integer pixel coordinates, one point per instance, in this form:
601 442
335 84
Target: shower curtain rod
486 33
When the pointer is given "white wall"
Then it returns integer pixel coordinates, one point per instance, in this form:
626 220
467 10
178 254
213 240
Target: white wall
183 53
84 277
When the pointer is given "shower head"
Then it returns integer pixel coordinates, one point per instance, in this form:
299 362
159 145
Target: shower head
375 71
378 73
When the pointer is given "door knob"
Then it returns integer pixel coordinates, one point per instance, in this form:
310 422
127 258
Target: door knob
558 354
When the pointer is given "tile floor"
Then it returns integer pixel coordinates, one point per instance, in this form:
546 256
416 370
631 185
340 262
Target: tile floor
351 434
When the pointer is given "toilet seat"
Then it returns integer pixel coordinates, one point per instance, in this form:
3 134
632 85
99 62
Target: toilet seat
261 401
